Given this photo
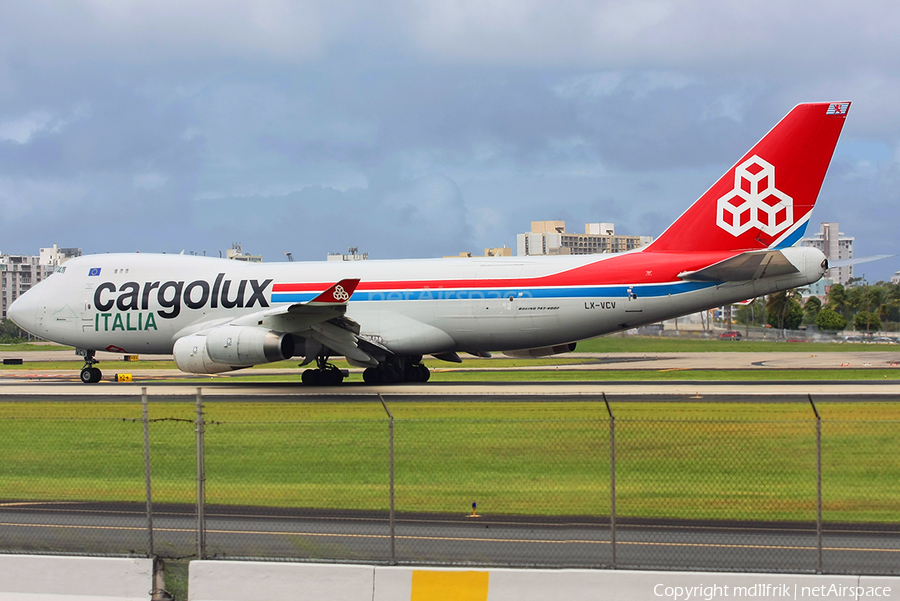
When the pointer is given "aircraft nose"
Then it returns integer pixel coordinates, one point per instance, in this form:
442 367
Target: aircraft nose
24 310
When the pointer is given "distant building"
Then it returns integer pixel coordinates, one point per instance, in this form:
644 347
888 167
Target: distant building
503 251
500 251
551 238
18 273
56 256
235 253
836 246
353 254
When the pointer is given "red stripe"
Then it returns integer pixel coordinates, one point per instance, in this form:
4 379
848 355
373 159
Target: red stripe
635 268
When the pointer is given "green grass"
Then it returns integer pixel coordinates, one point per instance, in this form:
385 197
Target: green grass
657 375
27 346
689 460
655 344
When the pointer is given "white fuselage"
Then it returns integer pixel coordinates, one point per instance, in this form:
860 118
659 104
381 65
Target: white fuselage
143 303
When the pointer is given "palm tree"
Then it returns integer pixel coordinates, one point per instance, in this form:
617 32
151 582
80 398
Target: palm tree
780 305
837 300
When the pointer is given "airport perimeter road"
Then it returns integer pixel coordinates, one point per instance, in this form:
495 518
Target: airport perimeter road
233 532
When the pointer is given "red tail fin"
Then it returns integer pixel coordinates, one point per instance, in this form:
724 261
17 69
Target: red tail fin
765 200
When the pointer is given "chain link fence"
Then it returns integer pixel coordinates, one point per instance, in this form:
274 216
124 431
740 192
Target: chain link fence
699 485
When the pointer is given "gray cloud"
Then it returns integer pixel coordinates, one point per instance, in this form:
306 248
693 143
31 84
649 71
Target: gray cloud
419 128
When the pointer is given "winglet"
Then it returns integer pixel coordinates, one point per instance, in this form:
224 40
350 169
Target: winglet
338 294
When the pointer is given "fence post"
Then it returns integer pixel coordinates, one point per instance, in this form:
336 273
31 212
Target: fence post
391 447
201 481
818 484
612 479
146 421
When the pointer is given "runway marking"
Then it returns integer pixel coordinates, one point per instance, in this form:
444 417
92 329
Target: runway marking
19 503
463 538
496 522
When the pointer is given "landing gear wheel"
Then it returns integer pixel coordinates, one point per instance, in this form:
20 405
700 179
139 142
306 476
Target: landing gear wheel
372 376
390 374
331 376
417 373
311 377
90 375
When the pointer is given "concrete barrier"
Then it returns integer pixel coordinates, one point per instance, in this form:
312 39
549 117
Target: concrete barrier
432 584
264 581
56 578
267 581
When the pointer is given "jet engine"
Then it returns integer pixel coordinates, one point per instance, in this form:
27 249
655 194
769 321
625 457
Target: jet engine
231 347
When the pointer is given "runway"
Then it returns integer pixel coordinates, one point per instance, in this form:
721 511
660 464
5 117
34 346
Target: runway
250 532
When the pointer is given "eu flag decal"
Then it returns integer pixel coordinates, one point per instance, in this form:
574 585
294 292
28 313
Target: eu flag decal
94 271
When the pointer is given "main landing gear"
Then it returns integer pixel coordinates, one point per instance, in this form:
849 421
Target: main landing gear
325 374
392 371
398 369
89 373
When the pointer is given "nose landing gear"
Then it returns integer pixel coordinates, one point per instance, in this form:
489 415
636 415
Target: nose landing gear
89 373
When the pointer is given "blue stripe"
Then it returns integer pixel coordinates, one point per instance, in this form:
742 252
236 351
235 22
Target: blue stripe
642 291
793 237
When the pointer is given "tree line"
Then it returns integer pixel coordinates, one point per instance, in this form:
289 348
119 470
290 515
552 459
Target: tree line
862 306
10 333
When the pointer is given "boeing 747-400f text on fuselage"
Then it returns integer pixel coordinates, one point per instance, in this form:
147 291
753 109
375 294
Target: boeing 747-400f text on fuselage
214 315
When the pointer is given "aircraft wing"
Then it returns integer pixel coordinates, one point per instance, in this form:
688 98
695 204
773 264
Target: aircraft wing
322 323
750 265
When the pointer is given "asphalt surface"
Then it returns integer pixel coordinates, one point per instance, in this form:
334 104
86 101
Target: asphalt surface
253 532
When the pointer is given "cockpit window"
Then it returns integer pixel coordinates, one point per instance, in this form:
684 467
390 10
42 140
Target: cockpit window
60 269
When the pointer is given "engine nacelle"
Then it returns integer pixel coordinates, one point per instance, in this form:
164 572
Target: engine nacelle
245 346
228 348
191 356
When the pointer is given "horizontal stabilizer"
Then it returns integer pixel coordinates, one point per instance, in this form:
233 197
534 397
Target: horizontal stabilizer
857 261
746 266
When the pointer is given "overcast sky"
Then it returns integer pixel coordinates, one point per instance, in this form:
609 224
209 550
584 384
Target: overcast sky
421 129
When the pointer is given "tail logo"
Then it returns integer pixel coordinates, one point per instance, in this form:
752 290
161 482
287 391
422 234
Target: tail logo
340 294
755 202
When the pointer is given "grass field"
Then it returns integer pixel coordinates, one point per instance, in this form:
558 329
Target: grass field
689 460
637 344
654 344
